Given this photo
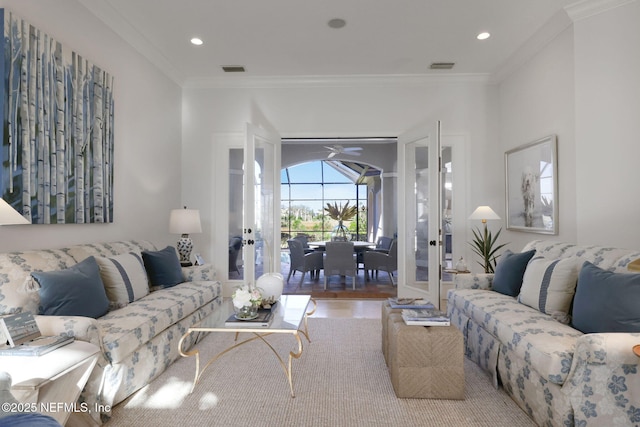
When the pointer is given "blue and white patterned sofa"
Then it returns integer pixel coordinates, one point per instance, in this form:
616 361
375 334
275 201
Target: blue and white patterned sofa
138 341
555 373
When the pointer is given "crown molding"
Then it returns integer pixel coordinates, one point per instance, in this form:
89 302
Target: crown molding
361 80
123 29
545 35
586 8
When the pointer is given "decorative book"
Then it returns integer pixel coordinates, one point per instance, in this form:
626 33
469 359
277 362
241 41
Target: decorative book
425 317
263 320
410 303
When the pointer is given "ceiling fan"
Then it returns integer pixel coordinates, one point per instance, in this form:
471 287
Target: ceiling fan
339 149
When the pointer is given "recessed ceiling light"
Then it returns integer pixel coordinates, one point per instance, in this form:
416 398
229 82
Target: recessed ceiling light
337 23
196 41
483 36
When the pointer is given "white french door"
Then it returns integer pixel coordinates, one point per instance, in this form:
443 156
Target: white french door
261 207
419 213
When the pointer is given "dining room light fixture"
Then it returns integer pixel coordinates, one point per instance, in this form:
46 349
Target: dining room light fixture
483 36
197 41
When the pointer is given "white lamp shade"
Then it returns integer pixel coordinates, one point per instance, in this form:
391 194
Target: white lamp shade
484 213
8 215
185 221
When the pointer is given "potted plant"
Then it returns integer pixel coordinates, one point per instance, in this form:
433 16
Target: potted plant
484 244
341 213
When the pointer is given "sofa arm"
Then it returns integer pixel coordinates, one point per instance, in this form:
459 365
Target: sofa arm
79 327
604 381
198 273
473 281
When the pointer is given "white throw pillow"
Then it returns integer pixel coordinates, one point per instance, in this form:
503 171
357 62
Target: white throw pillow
124 277
548 285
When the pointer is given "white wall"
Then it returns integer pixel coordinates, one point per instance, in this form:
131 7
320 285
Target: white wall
215 118
147 133
535 101
607 58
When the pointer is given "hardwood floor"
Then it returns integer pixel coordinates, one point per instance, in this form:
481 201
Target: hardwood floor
348 308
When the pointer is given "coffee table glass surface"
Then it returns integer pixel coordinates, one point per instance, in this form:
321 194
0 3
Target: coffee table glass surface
289 317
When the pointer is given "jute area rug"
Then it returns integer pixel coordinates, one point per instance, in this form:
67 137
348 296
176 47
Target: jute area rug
340 380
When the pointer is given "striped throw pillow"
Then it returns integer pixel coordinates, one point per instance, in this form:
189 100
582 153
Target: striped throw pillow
548 285
124 277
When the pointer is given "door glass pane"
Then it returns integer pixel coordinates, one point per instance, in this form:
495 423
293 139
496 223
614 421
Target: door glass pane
235 213
447 197
422 212
264 206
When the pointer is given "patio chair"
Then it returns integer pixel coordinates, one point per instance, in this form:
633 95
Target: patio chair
340 260
303 262
375 261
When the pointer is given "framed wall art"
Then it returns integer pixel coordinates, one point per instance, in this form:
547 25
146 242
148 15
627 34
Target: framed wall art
531 172
57 110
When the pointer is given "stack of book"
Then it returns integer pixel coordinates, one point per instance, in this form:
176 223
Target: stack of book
425 317
409 303
262 320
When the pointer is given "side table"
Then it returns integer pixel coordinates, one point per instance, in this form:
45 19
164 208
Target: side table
51 384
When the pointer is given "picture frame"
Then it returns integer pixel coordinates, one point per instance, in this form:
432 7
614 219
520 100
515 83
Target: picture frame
531 174
199 259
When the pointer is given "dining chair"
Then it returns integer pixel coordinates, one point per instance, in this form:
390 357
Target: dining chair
375 261
383 244
340 260
303 262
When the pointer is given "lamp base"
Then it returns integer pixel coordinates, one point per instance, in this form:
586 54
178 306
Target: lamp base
185 245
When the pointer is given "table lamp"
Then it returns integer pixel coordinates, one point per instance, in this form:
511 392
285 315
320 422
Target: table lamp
483 242
8 215
185 221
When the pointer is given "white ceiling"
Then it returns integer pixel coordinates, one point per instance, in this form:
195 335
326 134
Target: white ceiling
292 38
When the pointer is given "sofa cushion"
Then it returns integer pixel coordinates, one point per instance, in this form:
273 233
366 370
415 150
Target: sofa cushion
126 329
15 272
509 272
124 278
163 267
108 249
546 344
75 291
548 285
606 301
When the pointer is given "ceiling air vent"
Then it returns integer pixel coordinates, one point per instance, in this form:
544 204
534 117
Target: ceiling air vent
233 68
442 65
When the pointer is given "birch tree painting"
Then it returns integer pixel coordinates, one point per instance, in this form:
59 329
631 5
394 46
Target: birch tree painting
57 134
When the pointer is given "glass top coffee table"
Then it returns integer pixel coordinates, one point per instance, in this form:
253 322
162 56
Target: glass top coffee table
289 317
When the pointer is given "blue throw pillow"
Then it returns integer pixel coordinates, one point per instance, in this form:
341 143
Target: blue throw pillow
76 291
606 301
509 272
163 267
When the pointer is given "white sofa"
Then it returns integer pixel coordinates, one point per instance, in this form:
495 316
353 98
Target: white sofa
138 341
558 375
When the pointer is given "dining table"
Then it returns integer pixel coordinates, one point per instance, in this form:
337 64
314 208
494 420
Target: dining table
358 248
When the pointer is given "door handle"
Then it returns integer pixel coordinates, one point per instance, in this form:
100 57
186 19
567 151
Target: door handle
432 242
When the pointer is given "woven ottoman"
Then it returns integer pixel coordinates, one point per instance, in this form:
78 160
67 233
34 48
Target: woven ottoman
386 312
425 361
